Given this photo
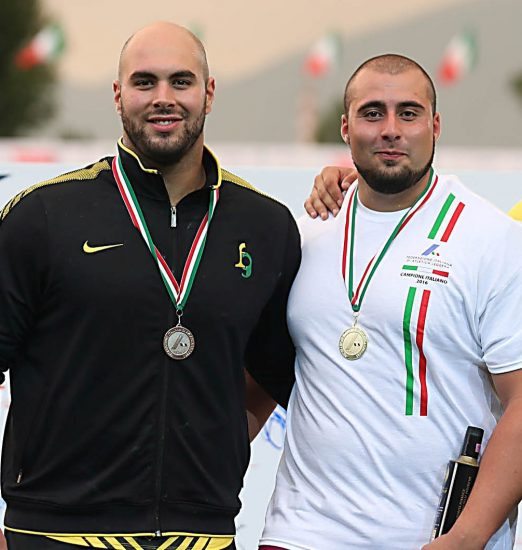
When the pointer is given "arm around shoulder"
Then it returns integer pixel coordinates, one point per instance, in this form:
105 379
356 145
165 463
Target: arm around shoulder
327 193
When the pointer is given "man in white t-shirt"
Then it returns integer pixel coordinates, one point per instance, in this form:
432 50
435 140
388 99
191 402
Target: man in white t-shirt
406 319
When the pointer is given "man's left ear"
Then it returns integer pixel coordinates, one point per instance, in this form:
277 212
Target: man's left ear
344 130
210 90
116 89
436 126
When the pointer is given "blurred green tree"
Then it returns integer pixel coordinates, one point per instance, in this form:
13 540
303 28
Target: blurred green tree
329 126
26 95
516 84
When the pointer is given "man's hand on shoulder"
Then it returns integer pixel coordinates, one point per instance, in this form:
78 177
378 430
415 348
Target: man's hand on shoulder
327 194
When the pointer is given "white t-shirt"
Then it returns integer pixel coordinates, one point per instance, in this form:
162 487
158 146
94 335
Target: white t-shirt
368 441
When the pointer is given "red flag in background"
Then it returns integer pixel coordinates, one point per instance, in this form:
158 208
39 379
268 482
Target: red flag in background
459 58
44 47
324 56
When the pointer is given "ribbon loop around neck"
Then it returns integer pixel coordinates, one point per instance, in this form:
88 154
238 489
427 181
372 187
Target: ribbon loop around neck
356 295
178 292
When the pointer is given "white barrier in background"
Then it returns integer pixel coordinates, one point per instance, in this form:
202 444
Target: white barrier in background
291 186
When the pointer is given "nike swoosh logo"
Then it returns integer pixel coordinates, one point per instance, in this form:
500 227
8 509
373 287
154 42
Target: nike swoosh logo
92 249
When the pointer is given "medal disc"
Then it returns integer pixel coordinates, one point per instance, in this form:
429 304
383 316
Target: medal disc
178 342
353 343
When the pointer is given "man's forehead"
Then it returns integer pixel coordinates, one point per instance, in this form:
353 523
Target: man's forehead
160 59
371 85
165 49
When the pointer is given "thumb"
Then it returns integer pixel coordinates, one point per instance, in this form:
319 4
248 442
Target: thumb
345 184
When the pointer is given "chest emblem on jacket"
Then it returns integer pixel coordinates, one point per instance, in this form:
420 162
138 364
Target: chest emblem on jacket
88 249
245 262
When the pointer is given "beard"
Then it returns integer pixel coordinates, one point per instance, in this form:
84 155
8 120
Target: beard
391 182
163 149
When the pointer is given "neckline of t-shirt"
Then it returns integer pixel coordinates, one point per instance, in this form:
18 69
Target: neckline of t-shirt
378 216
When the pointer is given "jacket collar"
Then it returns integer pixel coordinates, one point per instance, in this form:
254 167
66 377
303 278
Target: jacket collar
149 181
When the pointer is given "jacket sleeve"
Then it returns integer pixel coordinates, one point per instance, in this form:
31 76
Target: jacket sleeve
270 352
22 255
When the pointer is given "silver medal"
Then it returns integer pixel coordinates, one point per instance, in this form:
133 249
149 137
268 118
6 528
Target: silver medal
178 342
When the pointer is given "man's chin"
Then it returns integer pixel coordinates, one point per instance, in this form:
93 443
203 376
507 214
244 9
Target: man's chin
160 140
162 146
392 163
387 180
393 174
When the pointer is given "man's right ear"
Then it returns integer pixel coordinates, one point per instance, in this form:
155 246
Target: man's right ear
344 130
116 88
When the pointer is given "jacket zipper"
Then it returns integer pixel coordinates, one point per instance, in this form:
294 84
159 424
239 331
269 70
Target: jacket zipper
163 414
161 449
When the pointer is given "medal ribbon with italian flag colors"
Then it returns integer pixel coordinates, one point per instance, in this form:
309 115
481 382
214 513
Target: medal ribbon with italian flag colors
356 297
178 292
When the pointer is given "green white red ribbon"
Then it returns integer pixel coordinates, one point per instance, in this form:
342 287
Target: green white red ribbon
178 292
356 296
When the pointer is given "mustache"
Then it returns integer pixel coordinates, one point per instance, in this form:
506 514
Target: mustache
166 111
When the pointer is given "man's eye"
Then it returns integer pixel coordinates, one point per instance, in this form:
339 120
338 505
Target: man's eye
372 115
408 114
181 83
143 83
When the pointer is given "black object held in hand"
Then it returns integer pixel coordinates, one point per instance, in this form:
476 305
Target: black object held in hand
459 480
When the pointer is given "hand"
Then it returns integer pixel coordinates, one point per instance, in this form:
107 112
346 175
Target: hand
3 543
440 543
327 194
450 542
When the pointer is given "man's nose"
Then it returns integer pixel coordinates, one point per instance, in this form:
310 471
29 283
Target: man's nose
391 128
165 95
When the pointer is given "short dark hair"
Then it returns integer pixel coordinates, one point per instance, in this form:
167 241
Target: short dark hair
391 63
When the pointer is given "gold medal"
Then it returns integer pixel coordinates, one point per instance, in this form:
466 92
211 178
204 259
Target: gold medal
353 343
178 342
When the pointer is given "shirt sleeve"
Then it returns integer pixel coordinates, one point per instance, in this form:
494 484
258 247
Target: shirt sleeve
270 352
500 303
22 256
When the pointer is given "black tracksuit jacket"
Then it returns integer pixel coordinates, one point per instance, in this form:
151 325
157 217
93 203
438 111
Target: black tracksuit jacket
106 433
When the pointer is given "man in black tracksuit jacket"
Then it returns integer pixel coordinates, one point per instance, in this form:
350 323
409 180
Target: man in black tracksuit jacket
110 442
